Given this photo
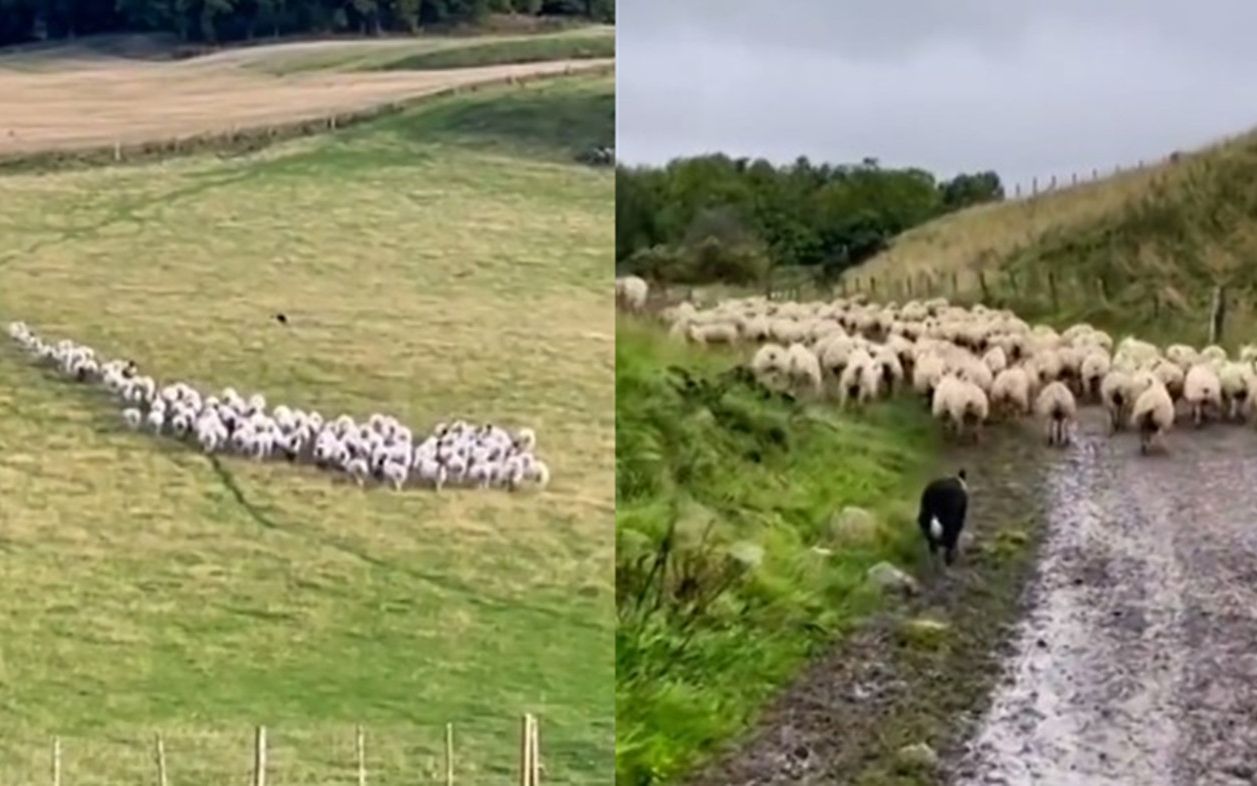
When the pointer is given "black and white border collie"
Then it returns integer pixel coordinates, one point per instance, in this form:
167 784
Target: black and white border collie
943 506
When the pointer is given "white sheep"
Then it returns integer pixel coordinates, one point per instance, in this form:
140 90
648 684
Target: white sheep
1117 394
395 473
1056 405
132 417
804 369
631 292
1095 365
1202 390
771 366
1010 391
1153 412
960 404
1234 381
714 333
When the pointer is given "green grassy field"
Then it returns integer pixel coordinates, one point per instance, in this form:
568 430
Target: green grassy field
446 261
721 499
520 50
1141 251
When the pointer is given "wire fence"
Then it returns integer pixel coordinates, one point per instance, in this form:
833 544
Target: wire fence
462 755
1050 183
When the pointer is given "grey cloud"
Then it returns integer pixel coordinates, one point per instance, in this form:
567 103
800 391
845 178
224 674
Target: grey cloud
1029 89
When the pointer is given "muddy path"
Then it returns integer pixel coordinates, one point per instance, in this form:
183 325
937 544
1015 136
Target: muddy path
1137 660
1103 630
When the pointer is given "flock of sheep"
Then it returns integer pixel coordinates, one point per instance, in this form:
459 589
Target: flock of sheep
973 365
454 454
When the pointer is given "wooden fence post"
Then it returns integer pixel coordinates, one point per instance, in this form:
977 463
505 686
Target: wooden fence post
986 294
160 753
1217 316
955 283
525 751
1034 186
360 750
449 754
534 741
1056 303
56 761
259 757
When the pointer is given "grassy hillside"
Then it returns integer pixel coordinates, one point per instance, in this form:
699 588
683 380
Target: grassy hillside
446 261
1142 250
722 497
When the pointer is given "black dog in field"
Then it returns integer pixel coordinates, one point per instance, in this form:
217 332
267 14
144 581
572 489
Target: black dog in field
942 517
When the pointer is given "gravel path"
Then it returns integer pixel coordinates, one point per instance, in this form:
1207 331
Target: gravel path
1137 663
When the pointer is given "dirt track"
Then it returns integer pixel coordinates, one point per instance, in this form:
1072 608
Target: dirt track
1138 662
120 101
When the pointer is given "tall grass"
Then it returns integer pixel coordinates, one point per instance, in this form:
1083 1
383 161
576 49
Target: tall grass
729 570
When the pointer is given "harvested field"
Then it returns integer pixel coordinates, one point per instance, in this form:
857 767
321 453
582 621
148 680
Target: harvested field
92 101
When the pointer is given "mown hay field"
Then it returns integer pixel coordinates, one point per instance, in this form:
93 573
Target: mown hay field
447 261
66 97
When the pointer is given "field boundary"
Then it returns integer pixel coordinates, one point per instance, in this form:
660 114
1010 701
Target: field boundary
250 139
528 768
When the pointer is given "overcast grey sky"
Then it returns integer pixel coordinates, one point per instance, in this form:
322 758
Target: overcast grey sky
1024 87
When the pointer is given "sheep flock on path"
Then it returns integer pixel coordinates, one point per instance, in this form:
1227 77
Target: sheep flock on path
974 365
381 449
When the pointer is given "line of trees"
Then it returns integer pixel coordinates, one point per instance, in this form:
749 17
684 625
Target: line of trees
714 217
229 20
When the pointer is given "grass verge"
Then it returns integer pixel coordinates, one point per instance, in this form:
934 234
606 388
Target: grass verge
723 497
446 261
915 672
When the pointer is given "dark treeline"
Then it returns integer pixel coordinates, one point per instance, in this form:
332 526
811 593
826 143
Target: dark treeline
232 20
718 218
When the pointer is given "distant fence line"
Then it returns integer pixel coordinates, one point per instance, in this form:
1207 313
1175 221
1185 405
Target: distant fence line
241 140
261 768
1052 183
